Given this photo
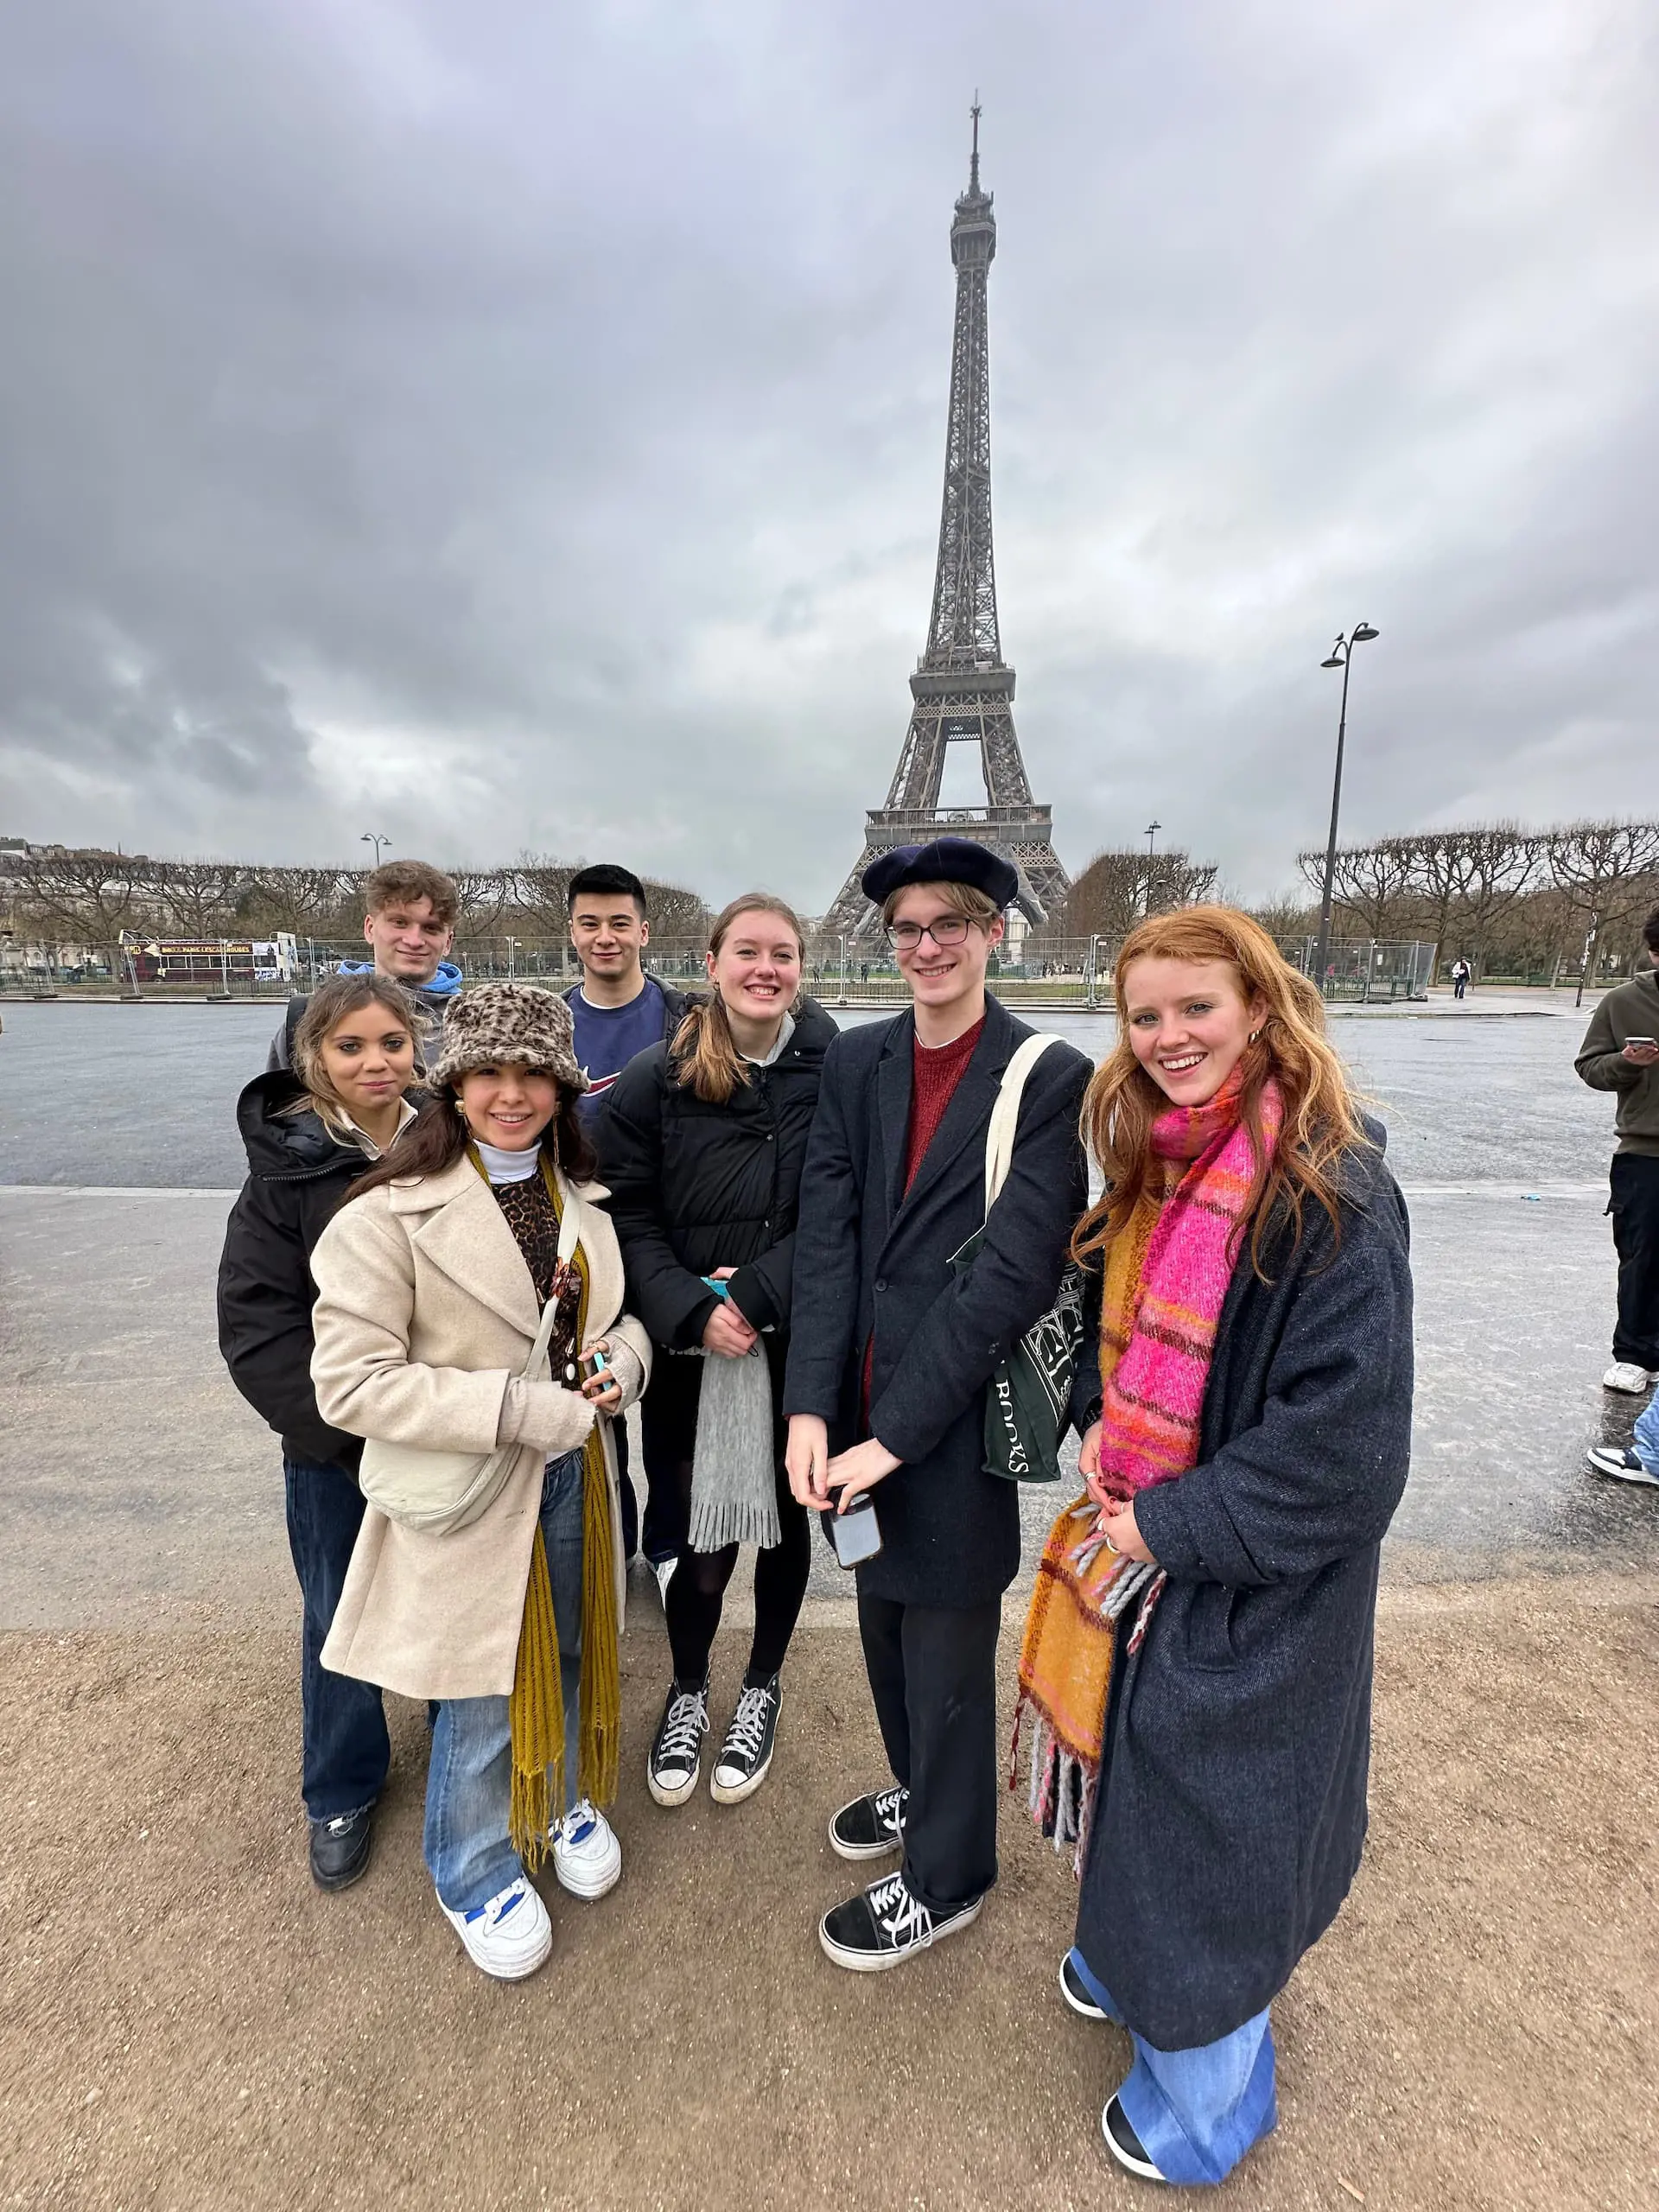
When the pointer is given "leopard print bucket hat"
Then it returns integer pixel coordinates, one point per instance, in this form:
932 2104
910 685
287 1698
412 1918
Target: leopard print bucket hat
509 1021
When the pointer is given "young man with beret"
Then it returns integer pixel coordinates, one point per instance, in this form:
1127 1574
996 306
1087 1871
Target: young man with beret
890 1358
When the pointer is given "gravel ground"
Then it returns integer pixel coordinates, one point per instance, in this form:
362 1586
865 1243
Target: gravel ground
184 2021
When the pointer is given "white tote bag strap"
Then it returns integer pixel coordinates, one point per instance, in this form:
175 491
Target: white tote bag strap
1005 1115
570 1236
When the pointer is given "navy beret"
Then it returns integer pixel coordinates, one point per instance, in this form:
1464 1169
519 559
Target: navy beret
947 860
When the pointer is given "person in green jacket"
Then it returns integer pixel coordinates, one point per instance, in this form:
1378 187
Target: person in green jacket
1620 1053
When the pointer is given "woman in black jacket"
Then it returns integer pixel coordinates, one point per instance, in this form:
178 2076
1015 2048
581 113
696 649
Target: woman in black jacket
702 1142
308 1133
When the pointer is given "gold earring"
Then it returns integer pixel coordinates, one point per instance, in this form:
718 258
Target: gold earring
1255 1033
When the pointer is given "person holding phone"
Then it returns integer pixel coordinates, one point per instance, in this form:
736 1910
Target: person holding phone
890 1361
432 1283
1620 1053
702 1143
309 1131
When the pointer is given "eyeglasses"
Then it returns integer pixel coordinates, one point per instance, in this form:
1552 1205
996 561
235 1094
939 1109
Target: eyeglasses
947 929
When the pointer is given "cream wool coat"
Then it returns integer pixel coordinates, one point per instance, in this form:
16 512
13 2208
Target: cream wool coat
425 1313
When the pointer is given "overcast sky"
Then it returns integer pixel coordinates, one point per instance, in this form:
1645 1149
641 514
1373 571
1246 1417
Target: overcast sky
512 428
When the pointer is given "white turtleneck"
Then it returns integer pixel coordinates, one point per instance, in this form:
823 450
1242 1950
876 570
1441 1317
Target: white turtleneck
503 1166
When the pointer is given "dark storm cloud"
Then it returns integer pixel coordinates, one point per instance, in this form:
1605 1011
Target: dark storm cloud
510 427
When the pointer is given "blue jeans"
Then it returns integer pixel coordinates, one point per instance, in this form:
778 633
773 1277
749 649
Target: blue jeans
345 1749
1645 1440
1196 2112
469 1782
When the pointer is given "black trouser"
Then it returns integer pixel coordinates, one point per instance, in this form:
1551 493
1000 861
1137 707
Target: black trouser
1634 1208
697 1594
932 1672
661 1441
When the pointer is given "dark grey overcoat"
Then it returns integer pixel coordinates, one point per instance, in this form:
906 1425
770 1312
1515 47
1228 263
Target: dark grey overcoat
866 1264
1232 1803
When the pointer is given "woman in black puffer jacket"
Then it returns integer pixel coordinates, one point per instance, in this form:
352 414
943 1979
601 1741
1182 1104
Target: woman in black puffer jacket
309 1134
701 1141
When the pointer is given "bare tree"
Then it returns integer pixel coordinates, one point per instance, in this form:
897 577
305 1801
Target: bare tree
1605 871
674 911
308 901
482 896
1119 888
85 898
1473 873
1371 882
199 898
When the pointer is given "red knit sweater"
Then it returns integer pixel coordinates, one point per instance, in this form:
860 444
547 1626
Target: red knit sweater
935 1071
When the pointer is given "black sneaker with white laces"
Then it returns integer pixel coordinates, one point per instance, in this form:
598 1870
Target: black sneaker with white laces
677 1754
746 1753
1125 2145
885 1925
872 1825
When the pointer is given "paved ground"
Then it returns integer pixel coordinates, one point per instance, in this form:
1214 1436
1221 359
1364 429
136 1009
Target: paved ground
186 2023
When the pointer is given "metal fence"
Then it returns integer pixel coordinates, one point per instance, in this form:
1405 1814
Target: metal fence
1055 973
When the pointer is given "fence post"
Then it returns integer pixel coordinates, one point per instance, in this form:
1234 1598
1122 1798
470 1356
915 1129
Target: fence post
1090 970
841 942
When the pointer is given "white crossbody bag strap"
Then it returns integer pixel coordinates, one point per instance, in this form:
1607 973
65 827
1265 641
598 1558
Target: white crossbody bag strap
1005 1115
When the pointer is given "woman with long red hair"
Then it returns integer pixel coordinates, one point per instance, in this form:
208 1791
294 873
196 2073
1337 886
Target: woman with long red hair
1196 1675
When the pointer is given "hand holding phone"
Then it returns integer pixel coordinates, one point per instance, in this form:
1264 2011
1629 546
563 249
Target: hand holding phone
1641 1051
856 1533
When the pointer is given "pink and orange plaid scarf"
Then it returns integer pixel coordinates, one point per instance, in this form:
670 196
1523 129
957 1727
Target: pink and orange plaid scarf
1166 1277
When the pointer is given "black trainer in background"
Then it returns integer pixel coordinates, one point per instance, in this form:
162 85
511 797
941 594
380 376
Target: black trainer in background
870 1826
676 1752
746 1753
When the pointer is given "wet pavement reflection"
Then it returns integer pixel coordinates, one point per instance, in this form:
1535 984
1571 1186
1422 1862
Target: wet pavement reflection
1504 1155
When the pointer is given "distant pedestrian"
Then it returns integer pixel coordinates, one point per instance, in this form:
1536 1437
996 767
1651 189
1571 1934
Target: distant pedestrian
432 1283
1460 975
409 927
1619 1053
620 1012
701 1145
1196 1674
309 1132
891 1360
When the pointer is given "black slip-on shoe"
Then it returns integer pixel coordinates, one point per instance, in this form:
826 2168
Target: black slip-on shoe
1075 1990
1125 2145
1620 1462
884 1925
872 1825
340 1848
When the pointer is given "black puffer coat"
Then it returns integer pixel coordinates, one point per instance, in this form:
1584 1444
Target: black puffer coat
297 1177
696 1186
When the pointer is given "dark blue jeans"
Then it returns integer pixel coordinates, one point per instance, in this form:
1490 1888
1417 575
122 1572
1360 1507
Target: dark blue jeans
346 1750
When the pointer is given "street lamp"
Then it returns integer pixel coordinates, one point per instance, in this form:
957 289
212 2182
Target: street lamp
1339 656
1149 833
369 838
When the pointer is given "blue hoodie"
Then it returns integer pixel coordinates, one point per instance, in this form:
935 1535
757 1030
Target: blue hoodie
443 985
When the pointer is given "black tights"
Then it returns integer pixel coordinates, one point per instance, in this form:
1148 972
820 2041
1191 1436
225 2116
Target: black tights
698 1589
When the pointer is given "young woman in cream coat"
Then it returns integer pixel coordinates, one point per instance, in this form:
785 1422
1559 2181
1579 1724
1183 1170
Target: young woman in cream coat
431 1283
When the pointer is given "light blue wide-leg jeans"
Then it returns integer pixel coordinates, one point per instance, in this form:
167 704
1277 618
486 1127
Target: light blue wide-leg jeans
469 1780
1196 2112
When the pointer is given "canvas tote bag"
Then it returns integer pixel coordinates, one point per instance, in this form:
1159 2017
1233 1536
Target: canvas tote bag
1030 1391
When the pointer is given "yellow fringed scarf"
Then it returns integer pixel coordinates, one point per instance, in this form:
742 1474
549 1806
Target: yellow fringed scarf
535 1708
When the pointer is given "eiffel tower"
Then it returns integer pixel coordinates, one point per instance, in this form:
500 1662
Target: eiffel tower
963 688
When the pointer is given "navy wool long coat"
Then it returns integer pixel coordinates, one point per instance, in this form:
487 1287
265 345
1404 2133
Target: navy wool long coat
868 1264
1232 1803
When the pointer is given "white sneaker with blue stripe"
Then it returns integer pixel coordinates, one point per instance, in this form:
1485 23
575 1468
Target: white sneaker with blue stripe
587 1857
508 1937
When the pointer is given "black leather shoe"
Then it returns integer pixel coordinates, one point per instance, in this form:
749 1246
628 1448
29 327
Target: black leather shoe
340 1848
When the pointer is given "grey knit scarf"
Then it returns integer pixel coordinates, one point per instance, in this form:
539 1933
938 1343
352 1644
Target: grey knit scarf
734 1487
